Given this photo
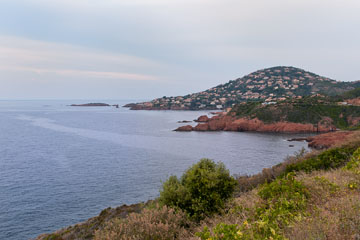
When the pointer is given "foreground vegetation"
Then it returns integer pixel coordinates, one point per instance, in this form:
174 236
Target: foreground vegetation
309 196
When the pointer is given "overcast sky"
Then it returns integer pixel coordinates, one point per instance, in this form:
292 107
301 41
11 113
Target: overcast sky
141 49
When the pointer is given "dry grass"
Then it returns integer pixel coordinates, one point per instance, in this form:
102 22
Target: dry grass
334 209
159 223
236 211
339 218
332 212
354 140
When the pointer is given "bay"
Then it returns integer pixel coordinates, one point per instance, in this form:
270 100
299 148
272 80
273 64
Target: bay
60 165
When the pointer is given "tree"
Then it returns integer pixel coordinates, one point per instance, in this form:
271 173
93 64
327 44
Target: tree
201 191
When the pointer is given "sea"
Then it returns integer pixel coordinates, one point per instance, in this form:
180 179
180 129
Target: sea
60 165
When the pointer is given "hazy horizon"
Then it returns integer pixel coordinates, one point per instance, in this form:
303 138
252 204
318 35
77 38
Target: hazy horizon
143 49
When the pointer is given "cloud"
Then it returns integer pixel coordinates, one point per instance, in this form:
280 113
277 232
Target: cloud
18 54
82 73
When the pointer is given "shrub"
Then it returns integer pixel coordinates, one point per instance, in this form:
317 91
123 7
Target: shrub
201 191
286 187
284 201
354 163
330 159
159 223
222 231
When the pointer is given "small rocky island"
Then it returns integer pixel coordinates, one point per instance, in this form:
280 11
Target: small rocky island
94 105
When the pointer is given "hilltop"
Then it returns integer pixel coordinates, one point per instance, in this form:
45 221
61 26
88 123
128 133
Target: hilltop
269 85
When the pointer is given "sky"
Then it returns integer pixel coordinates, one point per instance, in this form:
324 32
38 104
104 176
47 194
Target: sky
142 49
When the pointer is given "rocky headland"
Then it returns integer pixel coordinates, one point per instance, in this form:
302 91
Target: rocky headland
230 123
327 140
315 114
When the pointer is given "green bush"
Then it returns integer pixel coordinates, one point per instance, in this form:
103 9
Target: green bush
284 201
354 163
222 231
330 159
201 191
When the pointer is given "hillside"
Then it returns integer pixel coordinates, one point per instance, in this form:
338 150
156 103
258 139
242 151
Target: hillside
307 110
271 84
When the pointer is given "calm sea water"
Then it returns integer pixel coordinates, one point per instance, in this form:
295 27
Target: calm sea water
60 165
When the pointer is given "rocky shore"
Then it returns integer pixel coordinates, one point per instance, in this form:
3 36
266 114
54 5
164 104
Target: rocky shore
224 122
326 140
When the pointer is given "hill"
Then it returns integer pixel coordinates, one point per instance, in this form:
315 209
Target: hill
271 84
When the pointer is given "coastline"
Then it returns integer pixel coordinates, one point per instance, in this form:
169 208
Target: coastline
227 122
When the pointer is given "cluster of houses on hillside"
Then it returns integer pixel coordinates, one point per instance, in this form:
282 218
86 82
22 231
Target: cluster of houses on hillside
268 85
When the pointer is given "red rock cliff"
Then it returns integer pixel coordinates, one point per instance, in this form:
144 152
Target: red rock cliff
230 123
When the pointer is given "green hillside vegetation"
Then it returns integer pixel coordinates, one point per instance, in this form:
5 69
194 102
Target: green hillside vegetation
351 94
313 110
308 196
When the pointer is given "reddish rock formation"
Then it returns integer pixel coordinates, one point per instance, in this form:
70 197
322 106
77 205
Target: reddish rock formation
231 123
186 128
202 118
327 140
201 127
228 123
